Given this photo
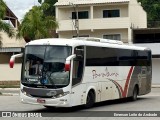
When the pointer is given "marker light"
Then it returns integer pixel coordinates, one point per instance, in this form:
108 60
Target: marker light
67 67
12 59
11 63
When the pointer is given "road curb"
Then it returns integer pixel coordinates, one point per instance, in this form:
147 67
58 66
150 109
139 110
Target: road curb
155 86
10 89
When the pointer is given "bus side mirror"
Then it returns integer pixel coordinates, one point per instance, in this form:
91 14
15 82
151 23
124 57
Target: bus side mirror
12 59
11 62
68 62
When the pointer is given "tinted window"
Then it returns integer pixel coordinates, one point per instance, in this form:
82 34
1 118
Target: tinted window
112 36
126 57
111 13
143 58
78 65
99 56
81 15
146 38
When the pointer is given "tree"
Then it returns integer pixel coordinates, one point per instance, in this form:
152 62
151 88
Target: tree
4 27
40 1
152 7
50 11
36 25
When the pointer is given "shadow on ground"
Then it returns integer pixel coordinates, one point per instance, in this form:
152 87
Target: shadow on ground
83 109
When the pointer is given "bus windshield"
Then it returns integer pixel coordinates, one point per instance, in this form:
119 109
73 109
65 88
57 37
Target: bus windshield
44 66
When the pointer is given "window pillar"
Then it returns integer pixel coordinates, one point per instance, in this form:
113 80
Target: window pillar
91 15
91 9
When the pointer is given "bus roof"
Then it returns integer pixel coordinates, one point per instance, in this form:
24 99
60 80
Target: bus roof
79 42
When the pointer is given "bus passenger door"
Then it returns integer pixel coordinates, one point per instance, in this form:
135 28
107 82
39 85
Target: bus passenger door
78 89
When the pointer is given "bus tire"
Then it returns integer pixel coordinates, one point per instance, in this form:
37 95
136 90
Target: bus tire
49 107
90 99
135 94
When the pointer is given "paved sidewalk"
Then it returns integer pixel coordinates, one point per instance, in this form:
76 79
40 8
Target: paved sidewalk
156 86
10 91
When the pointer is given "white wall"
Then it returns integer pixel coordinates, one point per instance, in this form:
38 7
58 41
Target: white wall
11 42
66 13
137 15
98 10
156 70
7 73
132 15
97 33
155 47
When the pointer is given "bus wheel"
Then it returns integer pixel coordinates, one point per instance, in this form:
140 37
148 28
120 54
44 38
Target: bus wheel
90 99
135 94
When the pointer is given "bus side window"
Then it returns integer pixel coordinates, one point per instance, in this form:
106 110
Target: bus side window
78 64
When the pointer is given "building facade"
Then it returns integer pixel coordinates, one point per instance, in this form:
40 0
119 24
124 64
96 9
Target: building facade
112 19
8 47
150 38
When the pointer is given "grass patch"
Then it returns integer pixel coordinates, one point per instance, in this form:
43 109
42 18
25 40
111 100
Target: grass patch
0 93
9 86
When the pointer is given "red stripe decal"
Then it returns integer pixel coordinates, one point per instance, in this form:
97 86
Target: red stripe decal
124 92
127 82
120 88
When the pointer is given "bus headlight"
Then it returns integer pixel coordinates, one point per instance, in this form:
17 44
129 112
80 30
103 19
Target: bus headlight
61 94
25 93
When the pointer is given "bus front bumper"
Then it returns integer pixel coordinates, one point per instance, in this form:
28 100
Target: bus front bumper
63 101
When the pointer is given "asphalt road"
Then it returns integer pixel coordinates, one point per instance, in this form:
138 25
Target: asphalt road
148 102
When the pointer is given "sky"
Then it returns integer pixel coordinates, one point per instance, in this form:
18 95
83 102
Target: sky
20 7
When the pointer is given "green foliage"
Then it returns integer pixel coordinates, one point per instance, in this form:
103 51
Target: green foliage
50 11
5 27
2 9
36 25
40 1
152 7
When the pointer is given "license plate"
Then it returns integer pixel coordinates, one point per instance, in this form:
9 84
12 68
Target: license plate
41 100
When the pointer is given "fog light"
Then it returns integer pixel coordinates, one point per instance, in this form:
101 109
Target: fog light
63 99
24 93
64 102
60 95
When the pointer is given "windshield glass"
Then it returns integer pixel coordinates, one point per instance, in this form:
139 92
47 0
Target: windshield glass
44 66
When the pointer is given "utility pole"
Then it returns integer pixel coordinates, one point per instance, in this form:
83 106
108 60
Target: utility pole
77 21
75 7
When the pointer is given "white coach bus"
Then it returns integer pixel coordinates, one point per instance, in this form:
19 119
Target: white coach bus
82 71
